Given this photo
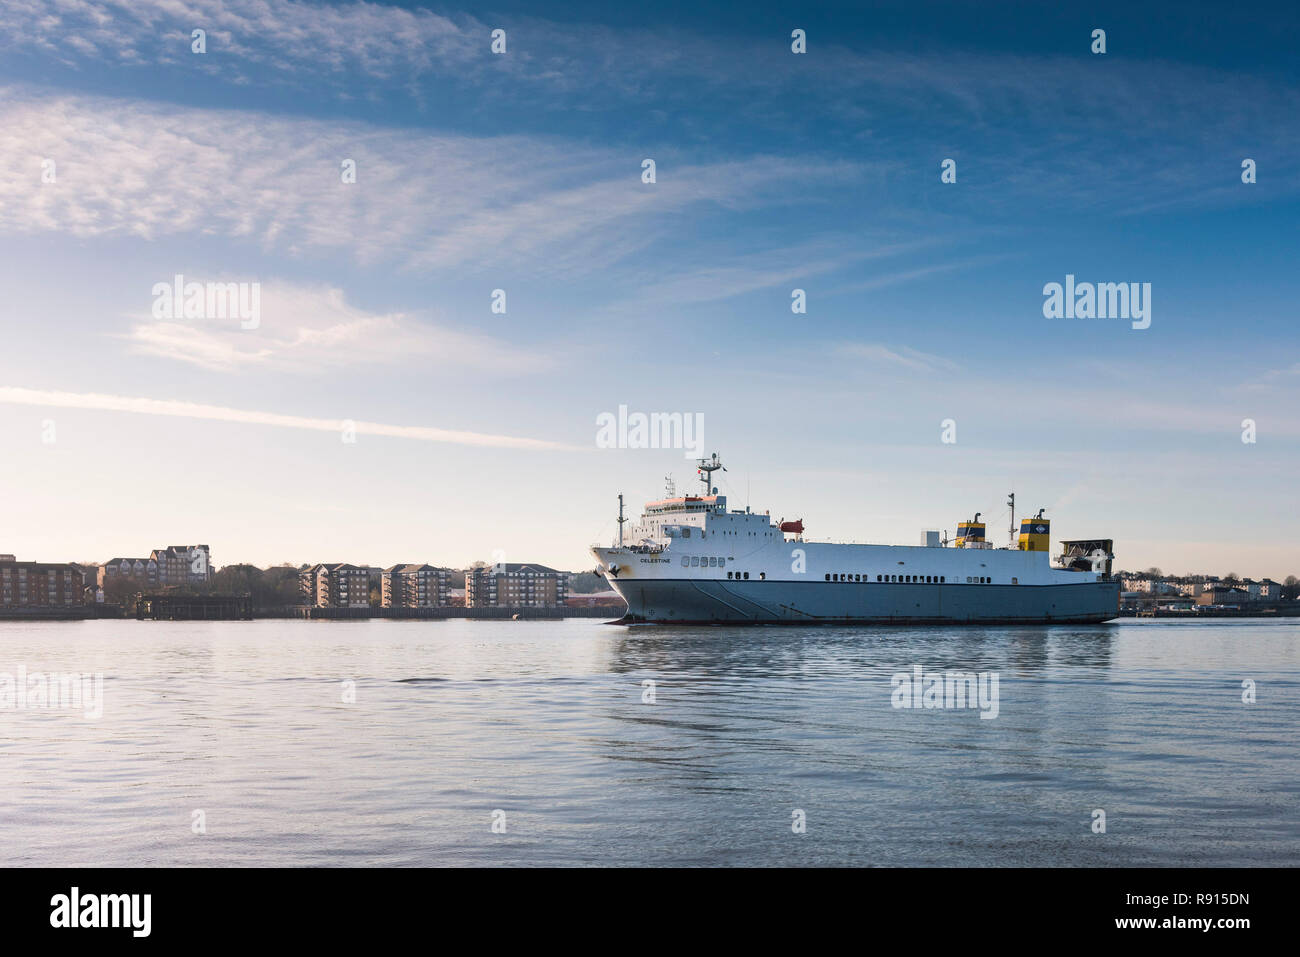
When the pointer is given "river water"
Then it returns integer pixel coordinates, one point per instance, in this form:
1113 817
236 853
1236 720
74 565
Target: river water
574 742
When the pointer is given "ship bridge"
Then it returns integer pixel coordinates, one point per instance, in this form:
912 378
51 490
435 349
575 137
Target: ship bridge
687 503
692 516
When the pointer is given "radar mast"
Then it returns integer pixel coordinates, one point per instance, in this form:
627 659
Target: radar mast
706 468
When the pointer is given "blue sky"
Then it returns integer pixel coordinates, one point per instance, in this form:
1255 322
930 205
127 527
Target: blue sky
522 172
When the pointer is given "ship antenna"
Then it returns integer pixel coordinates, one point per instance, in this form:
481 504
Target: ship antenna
707 467
621 520
670 487
1011 503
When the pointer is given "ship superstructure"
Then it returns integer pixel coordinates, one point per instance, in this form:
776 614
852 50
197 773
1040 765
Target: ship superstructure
691 559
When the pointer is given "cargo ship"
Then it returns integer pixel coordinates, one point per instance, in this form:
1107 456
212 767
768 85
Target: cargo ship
692 560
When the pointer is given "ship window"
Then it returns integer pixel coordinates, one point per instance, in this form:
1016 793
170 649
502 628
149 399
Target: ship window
729 574
942 578
686 561
686 533
877 578
695 561
828 577
762 576
746 576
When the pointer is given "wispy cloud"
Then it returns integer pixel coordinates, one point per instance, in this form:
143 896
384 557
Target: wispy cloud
768 268
1044 126
314 328
127 168
902 356
217 413
898 276
283 35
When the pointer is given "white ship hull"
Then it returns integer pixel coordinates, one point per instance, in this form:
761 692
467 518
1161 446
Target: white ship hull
694 561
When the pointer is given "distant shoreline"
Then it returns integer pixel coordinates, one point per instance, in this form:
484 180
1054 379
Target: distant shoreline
88 613
609 614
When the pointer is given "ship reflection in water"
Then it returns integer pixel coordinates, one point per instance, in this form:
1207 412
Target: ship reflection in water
658 745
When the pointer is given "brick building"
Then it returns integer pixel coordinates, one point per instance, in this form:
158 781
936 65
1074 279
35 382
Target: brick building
335 585
173 565
414 586
41 584
515 585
